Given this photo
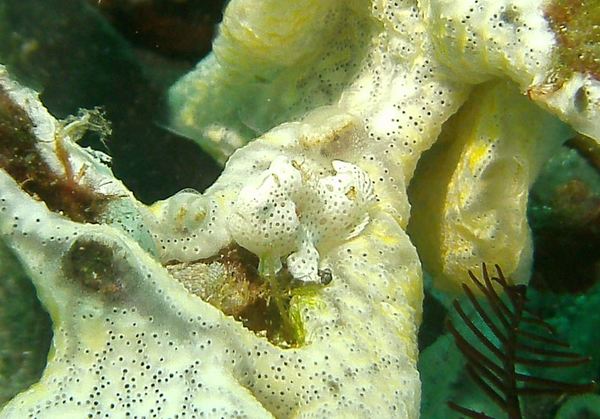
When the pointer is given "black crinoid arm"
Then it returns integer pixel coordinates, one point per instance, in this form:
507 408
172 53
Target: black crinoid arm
506 342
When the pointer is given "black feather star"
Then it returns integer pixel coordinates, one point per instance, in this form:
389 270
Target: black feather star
495 370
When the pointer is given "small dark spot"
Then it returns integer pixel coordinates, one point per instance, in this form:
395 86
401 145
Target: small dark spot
94 266
325 276
509 16
581 99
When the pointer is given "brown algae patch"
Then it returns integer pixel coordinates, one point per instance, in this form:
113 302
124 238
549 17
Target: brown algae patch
576 25
230 282
22 160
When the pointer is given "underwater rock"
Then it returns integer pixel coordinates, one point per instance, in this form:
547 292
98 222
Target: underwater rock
183 29
564 213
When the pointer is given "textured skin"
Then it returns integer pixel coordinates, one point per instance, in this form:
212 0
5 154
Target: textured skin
366 88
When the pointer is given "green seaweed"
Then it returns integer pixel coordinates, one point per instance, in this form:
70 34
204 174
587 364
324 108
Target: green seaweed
25 329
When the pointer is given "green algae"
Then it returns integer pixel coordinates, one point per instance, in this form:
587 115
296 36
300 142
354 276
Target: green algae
25 329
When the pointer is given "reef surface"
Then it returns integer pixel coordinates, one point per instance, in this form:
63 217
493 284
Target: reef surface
290 287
